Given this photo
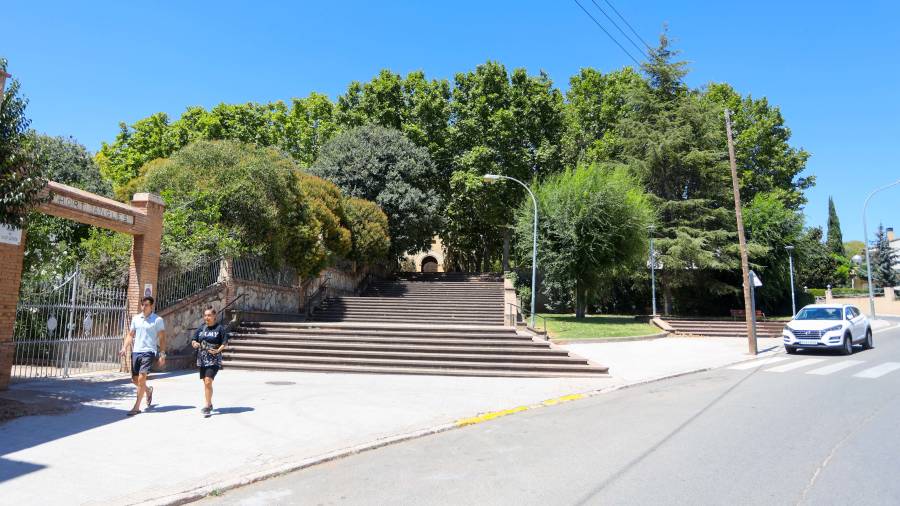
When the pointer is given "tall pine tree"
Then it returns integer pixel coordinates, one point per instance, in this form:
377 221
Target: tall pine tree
883 273
835 241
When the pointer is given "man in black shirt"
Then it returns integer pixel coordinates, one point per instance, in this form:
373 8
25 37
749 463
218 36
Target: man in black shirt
209 341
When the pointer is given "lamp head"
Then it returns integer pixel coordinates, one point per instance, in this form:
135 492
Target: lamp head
490 178
789 247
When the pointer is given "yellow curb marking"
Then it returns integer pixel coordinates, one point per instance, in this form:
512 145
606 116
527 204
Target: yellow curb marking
462 422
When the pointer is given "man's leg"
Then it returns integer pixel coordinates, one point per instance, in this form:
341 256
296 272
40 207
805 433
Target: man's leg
141 389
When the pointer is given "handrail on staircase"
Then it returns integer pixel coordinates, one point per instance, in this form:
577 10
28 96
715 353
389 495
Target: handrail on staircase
222 311
510 306
364 283
316 298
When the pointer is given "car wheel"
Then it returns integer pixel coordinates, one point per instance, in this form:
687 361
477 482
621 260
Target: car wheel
847 348
868 344
790 350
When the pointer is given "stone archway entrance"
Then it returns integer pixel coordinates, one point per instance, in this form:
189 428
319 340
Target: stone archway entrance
429 264
142 220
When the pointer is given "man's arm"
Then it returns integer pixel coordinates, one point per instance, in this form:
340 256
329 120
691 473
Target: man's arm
129 340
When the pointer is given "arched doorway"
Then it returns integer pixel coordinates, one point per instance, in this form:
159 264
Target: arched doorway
429 264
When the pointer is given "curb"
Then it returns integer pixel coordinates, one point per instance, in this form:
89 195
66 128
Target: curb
599 340
222 486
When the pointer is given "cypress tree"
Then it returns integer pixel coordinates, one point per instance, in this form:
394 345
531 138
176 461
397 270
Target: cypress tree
835 241
883 273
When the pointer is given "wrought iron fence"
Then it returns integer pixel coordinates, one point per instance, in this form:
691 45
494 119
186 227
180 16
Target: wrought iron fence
180 285
71 327
255 269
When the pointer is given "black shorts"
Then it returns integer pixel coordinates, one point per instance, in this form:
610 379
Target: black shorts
141 362
209 371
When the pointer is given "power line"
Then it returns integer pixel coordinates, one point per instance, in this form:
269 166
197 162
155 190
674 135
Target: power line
608 34
611 20
627 24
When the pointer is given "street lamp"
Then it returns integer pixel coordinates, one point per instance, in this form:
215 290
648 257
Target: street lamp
491 178
866 246
652 270
790 250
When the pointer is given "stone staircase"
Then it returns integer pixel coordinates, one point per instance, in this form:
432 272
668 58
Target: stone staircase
444 324
723 328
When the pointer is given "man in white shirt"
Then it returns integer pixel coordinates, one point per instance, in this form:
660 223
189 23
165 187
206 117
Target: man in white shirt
147 338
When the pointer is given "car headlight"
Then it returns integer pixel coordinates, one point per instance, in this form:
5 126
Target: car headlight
832 329
789 330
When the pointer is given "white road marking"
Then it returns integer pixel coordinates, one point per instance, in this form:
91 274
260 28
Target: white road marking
757 363
835 367
796 365
878 370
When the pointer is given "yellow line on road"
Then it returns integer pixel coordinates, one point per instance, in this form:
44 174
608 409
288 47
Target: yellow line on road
497 414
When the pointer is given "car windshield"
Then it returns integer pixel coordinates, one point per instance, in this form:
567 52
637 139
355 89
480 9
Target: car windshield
819 313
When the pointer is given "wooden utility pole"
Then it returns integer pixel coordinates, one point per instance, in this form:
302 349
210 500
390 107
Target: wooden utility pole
745 263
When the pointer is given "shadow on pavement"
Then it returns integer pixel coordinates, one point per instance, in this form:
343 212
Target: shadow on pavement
232 410
73 394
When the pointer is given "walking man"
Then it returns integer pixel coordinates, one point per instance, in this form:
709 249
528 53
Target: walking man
147 340
209 341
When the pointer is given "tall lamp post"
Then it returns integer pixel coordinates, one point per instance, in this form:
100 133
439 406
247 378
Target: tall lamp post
491 178
652 271
790 250
866 246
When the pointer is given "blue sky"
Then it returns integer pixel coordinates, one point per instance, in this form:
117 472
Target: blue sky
831 67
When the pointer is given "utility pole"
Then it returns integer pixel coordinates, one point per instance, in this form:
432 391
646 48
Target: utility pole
745 263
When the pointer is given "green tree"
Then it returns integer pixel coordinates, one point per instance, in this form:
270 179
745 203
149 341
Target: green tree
369 227
21 179
771 226
592 227
383 166
54 244
835 240
884 272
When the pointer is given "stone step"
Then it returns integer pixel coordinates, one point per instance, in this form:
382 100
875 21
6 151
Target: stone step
413 362
383 326
471 348
442 341
401 369
256 331
290 353
417 321
410 308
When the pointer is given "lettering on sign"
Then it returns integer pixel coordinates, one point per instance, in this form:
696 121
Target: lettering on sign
92 209
10 235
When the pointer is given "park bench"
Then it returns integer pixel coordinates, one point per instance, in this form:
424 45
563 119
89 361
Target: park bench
740 313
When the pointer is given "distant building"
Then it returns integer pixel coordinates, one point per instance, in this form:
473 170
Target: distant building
431 260
895 245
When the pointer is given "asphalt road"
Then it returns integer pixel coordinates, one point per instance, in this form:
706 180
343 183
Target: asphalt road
816 428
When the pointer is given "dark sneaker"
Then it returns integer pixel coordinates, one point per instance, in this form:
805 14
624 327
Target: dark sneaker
207 410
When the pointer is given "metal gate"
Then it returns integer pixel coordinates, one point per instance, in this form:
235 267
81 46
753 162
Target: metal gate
66 328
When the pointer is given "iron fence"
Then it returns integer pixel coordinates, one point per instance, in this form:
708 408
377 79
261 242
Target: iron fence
180 285
255 269
70 327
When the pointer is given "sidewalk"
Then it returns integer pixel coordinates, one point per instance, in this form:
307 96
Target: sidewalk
273 421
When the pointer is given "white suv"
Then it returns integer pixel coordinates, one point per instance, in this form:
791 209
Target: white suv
828 326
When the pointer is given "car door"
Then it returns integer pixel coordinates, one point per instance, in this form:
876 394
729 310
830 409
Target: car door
859 323
851 324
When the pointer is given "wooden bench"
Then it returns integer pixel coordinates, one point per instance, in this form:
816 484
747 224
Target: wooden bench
740 313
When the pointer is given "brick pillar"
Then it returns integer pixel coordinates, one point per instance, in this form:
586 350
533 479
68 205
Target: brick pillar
10 278
144 267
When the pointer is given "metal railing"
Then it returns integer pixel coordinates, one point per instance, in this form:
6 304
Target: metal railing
315 300
255 269
515 315
180 285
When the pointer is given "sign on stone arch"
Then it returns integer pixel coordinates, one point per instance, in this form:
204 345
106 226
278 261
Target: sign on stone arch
143 220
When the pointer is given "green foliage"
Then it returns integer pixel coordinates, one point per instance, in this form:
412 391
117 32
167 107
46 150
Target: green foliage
222 198
883 271
592 224
381 165
106 255
855 248
369 227
835 240
54 244
21 178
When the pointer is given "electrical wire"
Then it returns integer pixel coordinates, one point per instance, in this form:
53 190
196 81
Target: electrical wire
608 34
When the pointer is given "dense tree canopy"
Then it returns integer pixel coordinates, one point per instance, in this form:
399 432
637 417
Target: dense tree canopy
382 165
886 258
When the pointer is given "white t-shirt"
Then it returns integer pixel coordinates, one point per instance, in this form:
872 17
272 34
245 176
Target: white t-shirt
146 332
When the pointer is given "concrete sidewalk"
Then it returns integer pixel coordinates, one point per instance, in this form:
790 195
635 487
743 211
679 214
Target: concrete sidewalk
270 422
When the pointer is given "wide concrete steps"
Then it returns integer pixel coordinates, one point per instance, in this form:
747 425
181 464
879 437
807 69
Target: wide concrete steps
724 328
408 369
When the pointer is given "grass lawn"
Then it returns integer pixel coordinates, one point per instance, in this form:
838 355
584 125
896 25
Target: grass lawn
565 326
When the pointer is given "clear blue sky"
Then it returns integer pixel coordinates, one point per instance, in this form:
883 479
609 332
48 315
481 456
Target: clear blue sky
831 67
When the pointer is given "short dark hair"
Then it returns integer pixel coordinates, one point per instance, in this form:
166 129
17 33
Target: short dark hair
209 308
148 299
